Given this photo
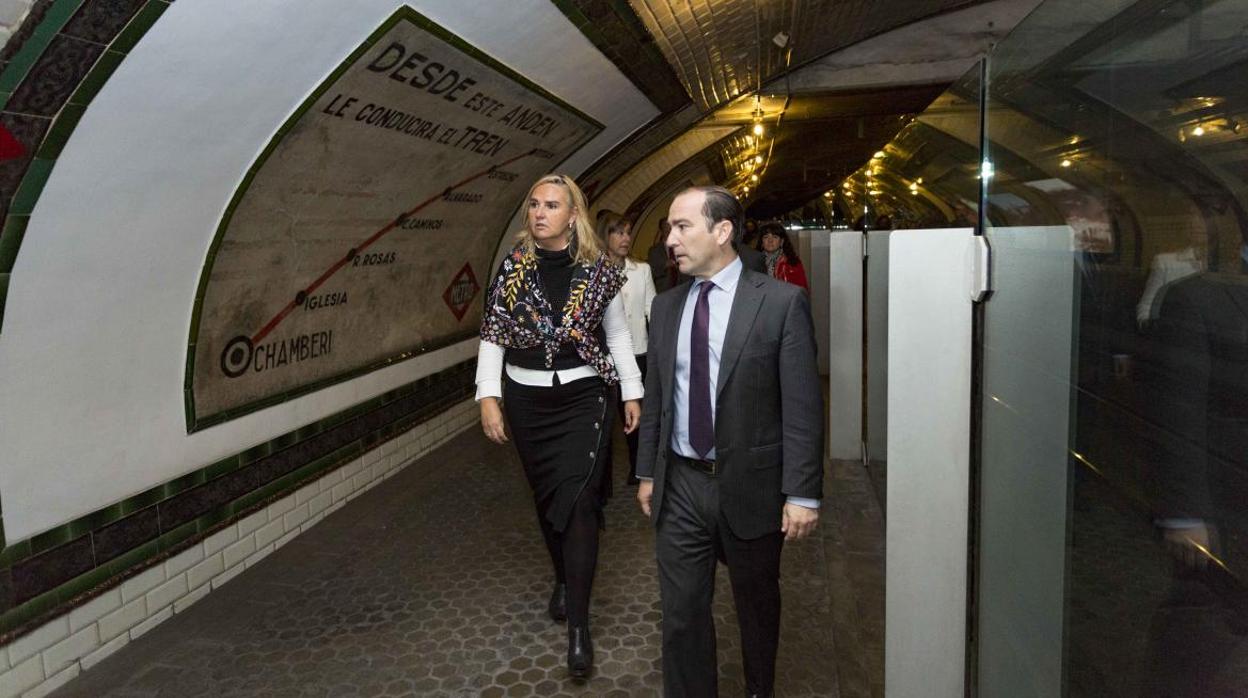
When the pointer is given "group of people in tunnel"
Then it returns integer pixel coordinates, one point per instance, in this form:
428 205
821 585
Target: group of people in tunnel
709 359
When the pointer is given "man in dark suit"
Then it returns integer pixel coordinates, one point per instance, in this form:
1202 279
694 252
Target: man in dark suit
660 260
731 451
752 259
746 250
1199 483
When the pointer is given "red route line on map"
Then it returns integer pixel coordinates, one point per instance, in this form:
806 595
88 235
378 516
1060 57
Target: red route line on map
290 307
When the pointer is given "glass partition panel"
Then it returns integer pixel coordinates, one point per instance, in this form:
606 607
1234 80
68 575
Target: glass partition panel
1113 501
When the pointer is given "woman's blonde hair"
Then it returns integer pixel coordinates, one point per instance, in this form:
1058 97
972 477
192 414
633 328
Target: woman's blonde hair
587 248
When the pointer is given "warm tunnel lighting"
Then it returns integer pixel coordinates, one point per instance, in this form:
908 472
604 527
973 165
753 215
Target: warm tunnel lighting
1198 131
758 129
753 178
1066 163
879 154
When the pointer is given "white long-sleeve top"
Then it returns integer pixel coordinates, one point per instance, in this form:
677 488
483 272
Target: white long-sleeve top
638 294
619 346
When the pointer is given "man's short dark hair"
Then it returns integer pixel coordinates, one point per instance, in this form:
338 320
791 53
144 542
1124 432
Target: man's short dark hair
721 205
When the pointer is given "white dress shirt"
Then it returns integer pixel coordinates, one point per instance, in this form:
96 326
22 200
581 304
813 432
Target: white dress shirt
720 305
638 294
619 345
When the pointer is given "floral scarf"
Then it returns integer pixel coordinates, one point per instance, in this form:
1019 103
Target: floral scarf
518 314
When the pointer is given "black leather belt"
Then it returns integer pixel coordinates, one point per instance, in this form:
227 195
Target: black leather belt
702 466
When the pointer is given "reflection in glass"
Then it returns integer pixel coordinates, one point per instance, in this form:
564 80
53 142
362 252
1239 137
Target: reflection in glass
1114 489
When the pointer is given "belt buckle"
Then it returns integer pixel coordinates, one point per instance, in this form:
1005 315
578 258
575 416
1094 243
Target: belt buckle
706 466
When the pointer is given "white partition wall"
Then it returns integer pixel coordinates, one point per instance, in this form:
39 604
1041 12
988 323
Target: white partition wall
815 259
929 399
1028 343
877 346
845 345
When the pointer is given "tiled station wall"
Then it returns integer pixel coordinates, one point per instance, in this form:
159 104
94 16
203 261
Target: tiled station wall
56 651
83 573
12 14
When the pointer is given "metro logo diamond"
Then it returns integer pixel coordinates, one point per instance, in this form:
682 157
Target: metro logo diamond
463 289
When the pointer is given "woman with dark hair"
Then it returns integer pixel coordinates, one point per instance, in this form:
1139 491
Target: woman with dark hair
552 316
782 260
637 295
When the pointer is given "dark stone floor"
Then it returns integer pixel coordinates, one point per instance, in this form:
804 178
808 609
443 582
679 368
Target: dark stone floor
435 583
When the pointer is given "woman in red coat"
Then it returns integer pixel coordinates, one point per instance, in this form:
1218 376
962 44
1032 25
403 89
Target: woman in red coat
782 260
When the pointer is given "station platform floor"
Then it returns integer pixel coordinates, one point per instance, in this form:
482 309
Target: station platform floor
435 583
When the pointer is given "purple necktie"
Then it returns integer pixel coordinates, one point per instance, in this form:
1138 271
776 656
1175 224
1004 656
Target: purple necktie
701 423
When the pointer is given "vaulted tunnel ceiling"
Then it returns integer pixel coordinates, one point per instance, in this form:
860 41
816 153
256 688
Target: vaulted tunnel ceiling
700 60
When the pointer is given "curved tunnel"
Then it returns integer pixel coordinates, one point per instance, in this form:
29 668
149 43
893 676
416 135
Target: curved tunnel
242 260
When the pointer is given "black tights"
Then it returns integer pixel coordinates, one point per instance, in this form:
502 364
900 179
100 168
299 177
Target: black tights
574 554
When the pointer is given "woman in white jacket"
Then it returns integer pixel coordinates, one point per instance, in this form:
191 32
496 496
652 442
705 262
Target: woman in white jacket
637 295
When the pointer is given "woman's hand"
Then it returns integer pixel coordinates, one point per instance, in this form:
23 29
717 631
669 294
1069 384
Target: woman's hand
632 415
492 420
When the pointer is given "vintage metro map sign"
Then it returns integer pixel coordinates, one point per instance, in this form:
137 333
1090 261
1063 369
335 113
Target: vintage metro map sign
332 257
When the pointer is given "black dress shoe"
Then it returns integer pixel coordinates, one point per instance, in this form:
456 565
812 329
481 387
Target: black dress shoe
558 606
580 652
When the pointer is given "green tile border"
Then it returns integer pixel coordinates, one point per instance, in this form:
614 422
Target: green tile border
40 609
10 240
20 550
19 66
138 26
66 120
197 422
653 61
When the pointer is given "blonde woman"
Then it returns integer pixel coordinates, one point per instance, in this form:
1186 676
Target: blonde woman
554 346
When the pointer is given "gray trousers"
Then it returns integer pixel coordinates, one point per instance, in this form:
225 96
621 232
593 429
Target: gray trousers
692 537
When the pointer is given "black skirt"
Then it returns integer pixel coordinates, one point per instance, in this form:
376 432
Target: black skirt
562 434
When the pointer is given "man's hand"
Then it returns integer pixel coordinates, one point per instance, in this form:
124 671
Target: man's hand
492 421
1192 546
797 522
632 416
645 490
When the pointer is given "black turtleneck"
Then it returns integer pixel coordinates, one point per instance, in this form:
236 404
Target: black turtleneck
555 269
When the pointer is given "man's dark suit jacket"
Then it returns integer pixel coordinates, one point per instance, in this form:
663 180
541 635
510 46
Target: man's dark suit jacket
657 259
752 259
1201 469
769 406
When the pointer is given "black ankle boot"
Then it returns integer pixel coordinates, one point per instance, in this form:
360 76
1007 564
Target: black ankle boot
558 606
580 652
